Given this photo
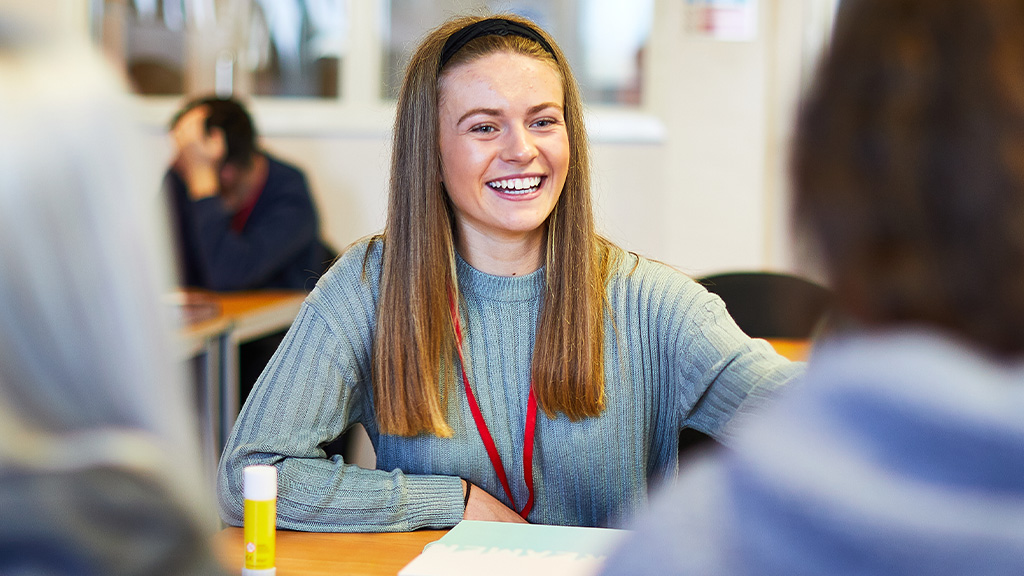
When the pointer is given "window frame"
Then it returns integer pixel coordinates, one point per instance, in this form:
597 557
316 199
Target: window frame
359 110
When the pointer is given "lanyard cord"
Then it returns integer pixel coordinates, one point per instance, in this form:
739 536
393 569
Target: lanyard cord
485 434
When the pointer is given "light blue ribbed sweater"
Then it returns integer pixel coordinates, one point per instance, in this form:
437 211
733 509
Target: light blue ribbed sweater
674 359
901 453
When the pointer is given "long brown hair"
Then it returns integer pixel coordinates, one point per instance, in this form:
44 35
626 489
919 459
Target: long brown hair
909 166
414 336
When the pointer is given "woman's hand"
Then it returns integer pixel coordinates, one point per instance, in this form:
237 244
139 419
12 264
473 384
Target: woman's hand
483 506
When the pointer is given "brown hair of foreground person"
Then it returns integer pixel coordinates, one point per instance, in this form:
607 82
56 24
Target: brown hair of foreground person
909 166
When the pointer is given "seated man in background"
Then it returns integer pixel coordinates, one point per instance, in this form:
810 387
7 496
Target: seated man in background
244 219
902 450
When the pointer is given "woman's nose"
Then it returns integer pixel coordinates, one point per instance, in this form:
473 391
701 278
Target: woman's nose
519 146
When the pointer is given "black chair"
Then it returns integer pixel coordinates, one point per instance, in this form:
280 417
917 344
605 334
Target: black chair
765 305
771 304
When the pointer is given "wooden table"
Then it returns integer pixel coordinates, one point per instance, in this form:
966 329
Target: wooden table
229 319
315 553
259 313
791 348
249 315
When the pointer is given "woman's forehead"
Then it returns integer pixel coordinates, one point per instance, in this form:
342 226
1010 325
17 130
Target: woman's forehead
488 58
501 73
501 85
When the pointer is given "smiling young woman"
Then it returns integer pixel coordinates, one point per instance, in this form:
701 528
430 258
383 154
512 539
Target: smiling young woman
504 158
507 362
495 97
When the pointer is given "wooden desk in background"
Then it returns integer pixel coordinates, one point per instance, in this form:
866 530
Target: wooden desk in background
250 314
790 348
315 553
216 324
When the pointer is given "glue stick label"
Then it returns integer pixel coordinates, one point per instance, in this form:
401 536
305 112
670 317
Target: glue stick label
260 525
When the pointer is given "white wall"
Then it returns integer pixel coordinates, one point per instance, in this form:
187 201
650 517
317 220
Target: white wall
710 95
728 109
349 180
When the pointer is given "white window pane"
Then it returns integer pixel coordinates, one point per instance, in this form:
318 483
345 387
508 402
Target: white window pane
148 39
245 47
604 40
295 47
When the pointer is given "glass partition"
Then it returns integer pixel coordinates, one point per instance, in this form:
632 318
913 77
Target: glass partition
604 40
297 48
284 48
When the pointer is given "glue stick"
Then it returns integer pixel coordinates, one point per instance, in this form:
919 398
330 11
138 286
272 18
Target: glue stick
260 487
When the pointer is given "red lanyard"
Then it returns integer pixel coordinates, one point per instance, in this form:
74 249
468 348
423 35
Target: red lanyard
485 434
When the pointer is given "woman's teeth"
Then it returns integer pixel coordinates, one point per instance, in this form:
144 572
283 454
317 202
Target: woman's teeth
516 185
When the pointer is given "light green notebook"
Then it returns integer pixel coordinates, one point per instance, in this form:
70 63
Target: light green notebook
497 548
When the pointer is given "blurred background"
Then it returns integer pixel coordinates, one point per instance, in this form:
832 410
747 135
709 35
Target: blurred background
690 102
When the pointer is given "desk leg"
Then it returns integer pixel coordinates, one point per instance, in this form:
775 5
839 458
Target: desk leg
210 362
208 384
228 386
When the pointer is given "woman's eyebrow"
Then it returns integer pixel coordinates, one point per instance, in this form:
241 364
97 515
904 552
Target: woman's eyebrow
542 106
485 111
496 112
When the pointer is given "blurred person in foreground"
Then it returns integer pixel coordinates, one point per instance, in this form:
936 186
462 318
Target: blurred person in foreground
98 466
903 450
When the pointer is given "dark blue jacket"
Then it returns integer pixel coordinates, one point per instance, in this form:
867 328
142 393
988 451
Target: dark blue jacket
279 246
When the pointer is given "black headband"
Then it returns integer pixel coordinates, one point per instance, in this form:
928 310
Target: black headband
489 27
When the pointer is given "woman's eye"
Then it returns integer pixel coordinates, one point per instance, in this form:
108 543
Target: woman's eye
544 123
483 129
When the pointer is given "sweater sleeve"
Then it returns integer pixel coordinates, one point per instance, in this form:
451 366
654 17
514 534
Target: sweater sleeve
723 374
282 224
314 388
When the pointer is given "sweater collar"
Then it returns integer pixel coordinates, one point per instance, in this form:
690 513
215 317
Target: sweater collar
500 288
